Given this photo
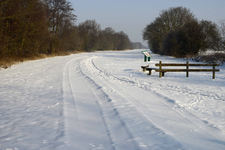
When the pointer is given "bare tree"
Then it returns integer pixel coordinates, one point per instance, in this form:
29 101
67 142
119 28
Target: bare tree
124 41
69 38
222 27
59 13
212 38
191 38
175 17
222 32
108 39
168 20
186 40
23 25
89 31
154 35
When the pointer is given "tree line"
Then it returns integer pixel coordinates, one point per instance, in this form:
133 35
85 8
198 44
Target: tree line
138 45
93 38
176 32
29 28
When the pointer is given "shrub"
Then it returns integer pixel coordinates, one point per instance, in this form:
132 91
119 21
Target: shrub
217 57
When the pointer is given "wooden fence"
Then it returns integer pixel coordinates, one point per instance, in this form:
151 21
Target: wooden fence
187 70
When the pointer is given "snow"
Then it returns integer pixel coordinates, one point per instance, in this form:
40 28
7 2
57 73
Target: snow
103 100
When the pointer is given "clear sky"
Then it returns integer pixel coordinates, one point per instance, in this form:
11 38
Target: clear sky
132 16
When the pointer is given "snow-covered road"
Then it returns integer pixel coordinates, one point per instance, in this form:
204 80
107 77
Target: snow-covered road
103 100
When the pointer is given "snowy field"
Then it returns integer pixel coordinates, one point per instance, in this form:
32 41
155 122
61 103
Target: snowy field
103 100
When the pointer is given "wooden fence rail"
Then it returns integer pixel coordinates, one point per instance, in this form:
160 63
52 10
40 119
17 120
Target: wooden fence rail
187 70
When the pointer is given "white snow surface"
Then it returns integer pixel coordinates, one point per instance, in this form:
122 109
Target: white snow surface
103 100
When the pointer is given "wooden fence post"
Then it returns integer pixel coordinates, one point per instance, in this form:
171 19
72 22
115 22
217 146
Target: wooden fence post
160 67
214 64
187 73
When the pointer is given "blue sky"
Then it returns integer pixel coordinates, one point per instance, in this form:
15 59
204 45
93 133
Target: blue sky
132 16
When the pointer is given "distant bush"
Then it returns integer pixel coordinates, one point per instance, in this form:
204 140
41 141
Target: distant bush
176 32
217 57
168 21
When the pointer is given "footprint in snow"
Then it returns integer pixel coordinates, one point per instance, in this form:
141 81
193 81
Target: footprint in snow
133 139
143 145
94 147
55 105
44 141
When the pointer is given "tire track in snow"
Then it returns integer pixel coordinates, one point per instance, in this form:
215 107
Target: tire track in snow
99 105
116 127
103 117
202 127
70 112
135 120
85 125
169 102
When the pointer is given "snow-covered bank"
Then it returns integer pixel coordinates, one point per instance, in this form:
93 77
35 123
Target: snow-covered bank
103 100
